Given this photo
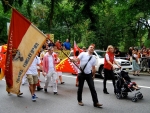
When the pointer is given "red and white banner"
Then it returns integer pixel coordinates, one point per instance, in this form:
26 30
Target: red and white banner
66 66
76 48
24 41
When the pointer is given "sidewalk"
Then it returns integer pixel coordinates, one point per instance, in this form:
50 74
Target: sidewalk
141 73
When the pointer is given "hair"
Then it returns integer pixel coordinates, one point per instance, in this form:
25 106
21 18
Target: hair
135 49
50 48
110 46
76 53
93 45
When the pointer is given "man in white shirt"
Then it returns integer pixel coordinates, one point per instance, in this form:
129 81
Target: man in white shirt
32 76
87 72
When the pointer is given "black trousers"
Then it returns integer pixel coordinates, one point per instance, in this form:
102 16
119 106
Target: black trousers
108 74
90 82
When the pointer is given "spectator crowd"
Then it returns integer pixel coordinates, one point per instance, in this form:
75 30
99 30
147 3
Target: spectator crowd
143 57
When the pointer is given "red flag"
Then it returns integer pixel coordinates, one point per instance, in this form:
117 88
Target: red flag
24 41
66 66
76 48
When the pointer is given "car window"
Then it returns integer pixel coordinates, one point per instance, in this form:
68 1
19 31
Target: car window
101 54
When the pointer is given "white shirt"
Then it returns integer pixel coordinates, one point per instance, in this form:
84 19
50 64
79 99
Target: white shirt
84 57
33 67
135 55
51 63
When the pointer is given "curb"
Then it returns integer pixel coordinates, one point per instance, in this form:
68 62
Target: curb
142 73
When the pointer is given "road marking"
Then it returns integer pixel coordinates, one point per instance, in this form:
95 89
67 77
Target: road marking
96 81
102 81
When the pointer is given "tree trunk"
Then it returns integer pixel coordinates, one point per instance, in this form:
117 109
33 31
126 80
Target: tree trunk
51 13
148 33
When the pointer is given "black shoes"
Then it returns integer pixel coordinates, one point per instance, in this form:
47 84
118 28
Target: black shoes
62 82
115 91
55 93
95 105
98 105
45 90
39 88
105 91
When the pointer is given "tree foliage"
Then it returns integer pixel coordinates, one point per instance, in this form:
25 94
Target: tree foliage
122 23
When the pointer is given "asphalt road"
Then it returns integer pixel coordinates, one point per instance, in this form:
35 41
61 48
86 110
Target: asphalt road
66 102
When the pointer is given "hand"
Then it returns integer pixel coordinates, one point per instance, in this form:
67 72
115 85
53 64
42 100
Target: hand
44 74
113 67
93 77
119 66
71 60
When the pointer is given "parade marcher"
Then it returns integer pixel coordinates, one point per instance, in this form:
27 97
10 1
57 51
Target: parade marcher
59 74
109 60
77 63
39 71
24 80
49 61
87 72
84 49
51 44
32 76
136 68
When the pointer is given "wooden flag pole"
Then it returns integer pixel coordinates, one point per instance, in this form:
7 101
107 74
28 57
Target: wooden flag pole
7 3
70 59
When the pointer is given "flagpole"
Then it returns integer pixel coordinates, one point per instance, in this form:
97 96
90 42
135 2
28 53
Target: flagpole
7 3
70 59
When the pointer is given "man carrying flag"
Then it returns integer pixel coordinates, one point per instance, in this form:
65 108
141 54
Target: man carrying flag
87 72
24 41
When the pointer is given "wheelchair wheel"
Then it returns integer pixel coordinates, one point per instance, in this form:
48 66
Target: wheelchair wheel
134 99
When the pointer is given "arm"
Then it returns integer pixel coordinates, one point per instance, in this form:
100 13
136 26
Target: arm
107 58
93 71
75 60
43 72
40 66
117 63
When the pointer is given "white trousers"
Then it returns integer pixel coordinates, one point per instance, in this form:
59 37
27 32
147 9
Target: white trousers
51 76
